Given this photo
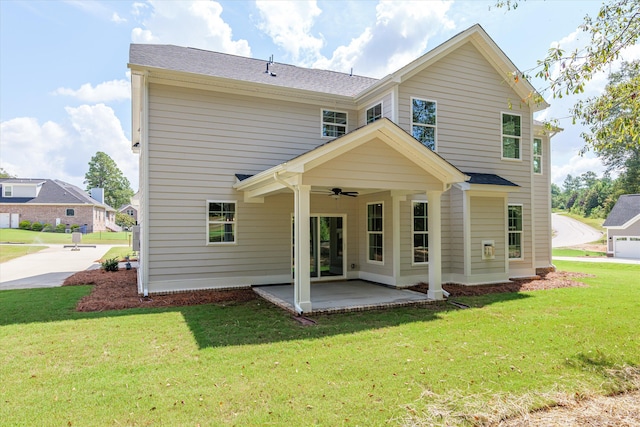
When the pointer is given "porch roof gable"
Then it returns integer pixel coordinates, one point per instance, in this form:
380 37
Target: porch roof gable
284 175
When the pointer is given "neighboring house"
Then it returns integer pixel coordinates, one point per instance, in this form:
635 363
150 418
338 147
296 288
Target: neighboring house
623 227
250 170
54 202
129 210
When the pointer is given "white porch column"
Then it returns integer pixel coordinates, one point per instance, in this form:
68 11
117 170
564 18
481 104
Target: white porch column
434 219
302 282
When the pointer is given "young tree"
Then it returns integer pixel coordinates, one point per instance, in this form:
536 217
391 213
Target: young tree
5 174
104 173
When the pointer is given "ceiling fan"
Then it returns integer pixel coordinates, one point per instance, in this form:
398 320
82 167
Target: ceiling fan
337 192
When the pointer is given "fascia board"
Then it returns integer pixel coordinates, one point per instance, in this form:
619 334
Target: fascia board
631 221
486 189
258 179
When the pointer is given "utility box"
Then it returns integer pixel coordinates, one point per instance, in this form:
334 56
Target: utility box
135 239
76 237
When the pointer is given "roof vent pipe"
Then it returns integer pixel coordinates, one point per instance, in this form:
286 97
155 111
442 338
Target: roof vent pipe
267 70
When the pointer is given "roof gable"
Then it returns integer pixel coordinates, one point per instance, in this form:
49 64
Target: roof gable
52 191
625 212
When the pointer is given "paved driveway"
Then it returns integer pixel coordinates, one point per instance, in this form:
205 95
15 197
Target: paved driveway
570 232
49 267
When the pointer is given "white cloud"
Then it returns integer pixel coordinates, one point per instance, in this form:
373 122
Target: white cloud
52 150
117 19
289 24
193 23
576 166
400 35
114 90
138 8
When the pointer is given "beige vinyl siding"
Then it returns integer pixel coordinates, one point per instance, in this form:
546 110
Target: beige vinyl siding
362 166
198 141
633 230
542 207
470 96
487 223
387 108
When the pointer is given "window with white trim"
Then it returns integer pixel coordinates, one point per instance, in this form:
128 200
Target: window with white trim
334 123
515 231
420 233
130 212
423 122
221 222
374 232
511 134
7 190
70 212
374 113
537 156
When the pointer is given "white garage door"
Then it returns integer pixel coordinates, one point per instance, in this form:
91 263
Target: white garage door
4 220
627 247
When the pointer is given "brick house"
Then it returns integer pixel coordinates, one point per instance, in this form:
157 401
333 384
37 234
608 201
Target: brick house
54 202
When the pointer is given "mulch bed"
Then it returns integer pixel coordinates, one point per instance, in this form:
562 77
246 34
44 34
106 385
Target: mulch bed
118 290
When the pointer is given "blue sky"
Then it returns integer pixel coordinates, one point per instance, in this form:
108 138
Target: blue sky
64 85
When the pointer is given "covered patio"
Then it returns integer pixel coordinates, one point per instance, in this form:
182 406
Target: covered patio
344 296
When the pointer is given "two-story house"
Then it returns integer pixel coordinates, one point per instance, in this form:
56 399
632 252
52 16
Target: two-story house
254 172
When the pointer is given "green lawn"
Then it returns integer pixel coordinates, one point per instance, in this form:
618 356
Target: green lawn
576 252
8 252
250 364
38 237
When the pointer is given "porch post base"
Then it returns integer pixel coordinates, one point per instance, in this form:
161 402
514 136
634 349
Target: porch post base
435 294
303 307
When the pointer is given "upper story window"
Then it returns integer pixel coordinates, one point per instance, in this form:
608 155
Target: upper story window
221 222
515 231
423 122
420 233
7 191
511 135
374 113
70 212
374 232
537 155
130 212
334 123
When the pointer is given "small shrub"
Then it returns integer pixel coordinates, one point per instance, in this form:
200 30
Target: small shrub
74 228
36 226
25 225
48 228
60 228
110 264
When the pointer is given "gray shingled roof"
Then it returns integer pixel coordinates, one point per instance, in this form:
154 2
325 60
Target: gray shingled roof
215 64
626 208
488 179
53 191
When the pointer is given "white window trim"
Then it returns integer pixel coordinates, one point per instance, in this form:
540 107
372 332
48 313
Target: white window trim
381 232
502 135
521 232
66 212
4 190
534 155
435 127
322 122
413 231
207 222
366 111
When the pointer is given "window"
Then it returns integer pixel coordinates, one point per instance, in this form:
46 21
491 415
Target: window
510 136
374 232
537 155
70 212
130 212
420 233
221 222
334 123
423 125
374 113
515 231
7 191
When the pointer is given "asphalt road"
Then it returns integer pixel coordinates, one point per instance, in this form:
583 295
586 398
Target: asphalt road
570 232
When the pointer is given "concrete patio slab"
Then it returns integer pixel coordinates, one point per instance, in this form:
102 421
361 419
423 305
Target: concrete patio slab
344 296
